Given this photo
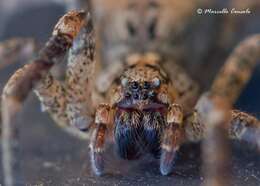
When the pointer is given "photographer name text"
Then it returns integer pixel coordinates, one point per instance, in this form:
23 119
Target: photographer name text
210 11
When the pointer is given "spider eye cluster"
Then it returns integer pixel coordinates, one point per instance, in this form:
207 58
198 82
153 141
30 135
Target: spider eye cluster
135 85
140 90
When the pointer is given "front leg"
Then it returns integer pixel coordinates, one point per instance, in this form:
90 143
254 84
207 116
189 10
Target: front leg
172 138
24 80
79 79
98 138
69 103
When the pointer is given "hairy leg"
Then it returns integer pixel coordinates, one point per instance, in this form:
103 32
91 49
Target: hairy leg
79 79
237 70
24 80
98 138
52 96
172 138
15 50
241 126
245 127
69 103
213 107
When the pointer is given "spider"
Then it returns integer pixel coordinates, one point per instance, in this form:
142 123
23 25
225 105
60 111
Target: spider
146 103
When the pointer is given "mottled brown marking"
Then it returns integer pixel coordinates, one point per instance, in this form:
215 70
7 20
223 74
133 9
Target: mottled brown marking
175 114
237 70
25 79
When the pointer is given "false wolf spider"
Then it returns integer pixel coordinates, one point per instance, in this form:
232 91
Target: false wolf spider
148 103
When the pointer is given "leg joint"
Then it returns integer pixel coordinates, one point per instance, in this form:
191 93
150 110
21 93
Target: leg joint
102 114
175 114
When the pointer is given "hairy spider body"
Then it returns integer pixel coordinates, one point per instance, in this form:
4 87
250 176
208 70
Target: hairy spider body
143 99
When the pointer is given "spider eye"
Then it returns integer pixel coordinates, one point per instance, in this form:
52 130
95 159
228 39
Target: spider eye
156 82
151 94
124 81
146 85
134 85
144 96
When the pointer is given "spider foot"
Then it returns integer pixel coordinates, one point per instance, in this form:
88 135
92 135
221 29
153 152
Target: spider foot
97 149
97 141
166 162
97 163
173 136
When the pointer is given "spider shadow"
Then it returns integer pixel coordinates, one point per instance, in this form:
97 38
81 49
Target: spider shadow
187 163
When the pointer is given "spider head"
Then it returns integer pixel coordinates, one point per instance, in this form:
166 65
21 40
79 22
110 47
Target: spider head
141 93
140 86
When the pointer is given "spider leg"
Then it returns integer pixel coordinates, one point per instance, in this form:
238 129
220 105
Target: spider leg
213 108
241 126
79 80
69 103
97 141
172 138
52 96
14 51
245 127
24 80
237 70
215 163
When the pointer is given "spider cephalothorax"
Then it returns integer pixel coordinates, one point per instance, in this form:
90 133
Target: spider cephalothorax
143 85
147 103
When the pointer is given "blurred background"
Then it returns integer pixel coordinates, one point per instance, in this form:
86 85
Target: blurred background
51 157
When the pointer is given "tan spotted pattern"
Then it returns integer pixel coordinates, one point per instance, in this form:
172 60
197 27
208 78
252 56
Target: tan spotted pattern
170 107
